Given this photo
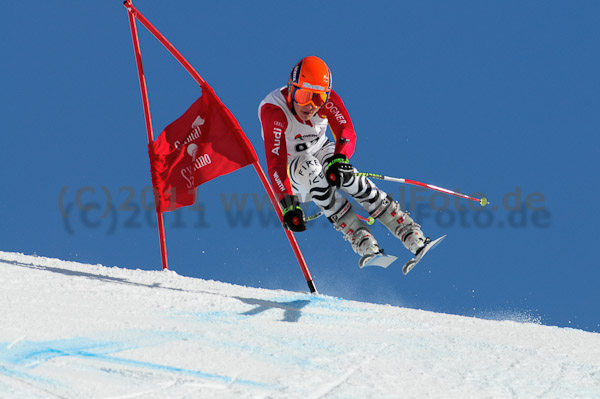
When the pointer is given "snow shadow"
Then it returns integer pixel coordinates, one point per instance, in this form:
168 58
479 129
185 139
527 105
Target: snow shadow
292 311
68 272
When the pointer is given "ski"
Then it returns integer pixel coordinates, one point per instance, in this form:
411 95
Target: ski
408 266
380 259
384 260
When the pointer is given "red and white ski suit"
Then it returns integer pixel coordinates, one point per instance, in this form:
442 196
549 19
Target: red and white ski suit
297 152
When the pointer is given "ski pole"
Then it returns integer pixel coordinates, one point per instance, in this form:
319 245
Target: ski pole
483 201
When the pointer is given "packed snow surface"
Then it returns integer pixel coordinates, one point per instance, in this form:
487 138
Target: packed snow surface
73 330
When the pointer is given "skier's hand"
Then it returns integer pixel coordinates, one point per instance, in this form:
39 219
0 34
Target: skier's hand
293 215
338 170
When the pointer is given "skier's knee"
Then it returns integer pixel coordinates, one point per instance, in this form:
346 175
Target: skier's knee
309 171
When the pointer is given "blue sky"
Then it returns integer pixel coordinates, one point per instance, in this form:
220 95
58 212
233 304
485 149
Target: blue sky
499 98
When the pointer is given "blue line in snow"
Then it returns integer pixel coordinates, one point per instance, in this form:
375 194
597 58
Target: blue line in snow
155 366
29 355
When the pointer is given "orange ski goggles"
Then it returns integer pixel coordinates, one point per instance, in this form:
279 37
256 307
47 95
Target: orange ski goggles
304 97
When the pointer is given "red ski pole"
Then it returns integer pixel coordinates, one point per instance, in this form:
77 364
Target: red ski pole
483 201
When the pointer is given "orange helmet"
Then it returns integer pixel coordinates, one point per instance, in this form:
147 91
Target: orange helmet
310 82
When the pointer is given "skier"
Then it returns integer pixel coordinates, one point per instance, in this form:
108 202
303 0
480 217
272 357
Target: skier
303 164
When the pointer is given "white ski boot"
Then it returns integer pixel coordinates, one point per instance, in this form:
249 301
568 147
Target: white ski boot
400 224
356 232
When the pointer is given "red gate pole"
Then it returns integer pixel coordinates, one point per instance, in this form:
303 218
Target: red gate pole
146 103
289 234
133 12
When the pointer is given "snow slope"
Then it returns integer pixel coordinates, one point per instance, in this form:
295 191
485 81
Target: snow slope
72 330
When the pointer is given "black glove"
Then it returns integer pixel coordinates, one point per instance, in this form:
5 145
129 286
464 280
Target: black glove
293 215
339 170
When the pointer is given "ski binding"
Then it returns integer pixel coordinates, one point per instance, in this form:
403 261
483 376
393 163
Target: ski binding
408 266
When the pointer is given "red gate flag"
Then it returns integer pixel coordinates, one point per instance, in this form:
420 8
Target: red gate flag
204 143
